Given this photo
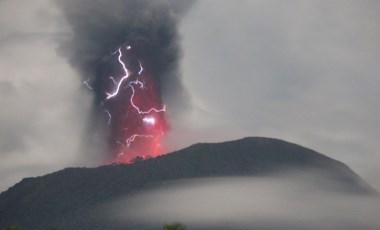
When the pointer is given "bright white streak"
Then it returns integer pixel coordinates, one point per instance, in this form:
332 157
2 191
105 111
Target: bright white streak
141 68
86 83
137 82
113 80
125 77
132 138
149 120
109 117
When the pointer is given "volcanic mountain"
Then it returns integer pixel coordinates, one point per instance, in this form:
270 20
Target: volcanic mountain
64 199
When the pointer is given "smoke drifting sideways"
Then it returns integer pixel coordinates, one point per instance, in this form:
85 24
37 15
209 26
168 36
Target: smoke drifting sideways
290 200
127 52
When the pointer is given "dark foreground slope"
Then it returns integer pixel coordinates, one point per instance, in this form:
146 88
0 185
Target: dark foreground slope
64 198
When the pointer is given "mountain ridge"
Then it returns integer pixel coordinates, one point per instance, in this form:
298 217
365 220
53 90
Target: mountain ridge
53 199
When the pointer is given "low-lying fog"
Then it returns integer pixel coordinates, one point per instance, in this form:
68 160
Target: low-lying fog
276 202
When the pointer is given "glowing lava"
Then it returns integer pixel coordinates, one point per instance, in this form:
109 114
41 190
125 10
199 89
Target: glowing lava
134 110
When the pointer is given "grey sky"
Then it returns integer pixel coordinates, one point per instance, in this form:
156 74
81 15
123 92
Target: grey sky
42 104
302 71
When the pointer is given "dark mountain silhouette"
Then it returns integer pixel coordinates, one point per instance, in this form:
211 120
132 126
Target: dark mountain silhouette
64 198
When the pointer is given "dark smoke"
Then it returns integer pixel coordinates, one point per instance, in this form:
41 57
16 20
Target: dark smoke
102 26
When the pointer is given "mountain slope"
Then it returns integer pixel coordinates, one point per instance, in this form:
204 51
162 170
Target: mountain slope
64 198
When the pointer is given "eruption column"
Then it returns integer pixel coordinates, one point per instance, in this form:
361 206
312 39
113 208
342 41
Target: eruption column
139 120
127 53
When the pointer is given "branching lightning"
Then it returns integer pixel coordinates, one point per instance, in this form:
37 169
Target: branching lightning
141 68
133 137
113 80
129 61
152 128
163 109
87 84
124 78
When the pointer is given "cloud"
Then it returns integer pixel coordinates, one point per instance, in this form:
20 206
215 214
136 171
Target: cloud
43 108
287 201
301 71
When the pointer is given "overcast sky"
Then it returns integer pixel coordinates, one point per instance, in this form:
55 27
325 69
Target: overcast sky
302 71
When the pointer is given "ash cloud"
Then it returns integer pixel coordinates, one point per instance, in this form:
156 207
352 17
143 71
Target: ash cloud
100 27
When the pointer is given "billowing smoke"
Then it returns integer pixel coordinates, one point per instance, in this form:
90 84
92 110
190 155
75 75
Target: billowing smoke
127 52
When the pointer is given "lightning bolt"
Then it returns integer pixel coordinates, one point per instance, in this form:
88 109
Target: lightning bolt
87 84
133 84
141 68
109 117
113 80
137 82
124 78
133 137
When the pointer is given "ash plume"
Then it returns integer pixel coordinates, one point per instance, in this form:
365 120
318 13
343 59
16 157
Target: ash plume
100 28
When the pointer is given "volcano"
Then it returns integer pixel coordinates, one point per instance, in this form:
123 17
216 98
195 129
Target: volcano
64 199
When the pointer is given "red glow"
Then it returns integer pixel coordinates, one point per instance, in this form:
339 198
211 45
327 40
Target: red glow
133 133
